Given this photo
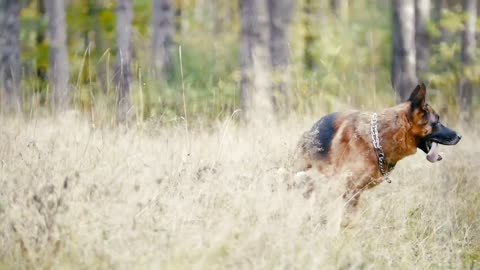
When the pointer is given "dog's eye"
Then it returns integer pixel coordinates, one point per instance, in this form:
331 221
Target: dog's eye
425 115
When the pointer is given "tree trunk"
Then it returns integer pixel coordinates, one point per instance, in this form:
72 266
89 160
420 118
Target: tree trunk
178 16
468 57
163 27
339 7
123 57
403 62
422 37
10 55
310 12
255 73
218 13
40 39
439 6
58 69
280 12
100 50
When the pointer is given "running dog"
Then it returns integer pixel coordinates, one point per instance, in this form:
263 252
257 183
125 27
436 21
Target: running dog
368 146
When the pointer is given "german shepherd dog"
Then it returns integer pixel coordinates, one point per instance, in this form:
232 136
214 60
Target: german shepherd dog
367 149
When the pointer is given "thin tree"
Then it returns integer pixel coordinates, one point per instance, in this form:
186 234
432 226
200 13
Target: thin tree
280 14
439 7
97 6
217 10
178 16
403 63
123 58
422 37
255 73
309 11
163 27
10 54
338 7
58 69
40 39
468 58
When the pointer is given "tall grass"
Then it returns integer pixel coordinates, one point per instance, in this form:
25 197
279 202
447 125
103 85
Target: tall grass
73 196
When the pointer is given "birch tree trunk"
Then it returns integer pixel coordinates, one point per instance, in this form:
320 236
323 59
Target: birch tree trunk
403 62
422 37
468 58
280 14
10 55
255 73
163 27
58 69
123 58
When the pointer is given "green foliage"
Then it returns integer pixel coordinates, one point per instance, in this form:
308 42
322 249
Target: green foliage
351 56
451 21
446 69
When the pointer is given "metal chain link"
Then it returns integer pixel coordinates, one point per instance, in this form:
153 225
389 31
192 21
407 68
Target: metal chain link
378 147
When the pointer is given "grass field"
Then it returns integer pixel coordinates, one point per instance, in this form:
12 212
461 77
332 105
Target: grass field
155 197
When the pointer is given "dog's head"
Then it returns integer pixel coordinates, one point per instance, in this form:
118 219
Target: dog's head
426 125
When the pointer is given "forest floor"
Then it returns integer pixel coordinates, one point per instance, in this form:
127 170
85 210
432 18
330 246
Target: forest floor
153 197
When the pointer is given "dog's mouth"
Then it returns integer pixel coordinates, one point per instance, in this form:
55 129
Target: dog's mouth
432 148
440 135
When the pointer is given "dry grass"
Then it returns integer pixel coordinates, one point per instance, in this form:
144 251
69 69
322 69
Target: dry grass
76 197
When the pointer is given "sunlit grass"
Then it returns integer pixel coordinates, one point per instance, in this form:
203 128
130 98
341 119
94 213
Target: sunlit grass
73 196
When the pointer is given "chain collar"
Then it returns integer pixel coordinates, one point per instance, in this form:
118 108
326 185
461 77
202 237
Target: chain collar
378 147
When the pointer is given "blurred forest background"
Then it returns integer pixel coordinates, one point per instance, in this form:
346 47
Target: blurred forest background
206 59
120 148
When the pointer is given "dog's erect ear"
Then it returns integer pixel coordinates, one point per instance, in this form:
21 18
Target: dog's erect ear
417 98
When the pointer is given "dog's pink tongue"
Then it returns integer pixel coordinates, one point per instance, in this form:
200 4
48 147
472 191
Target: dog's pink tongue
433 155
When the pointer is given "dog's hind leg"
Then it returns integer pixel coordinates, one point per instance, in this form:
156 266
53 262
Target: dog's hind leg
351 198
309 190
299 170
